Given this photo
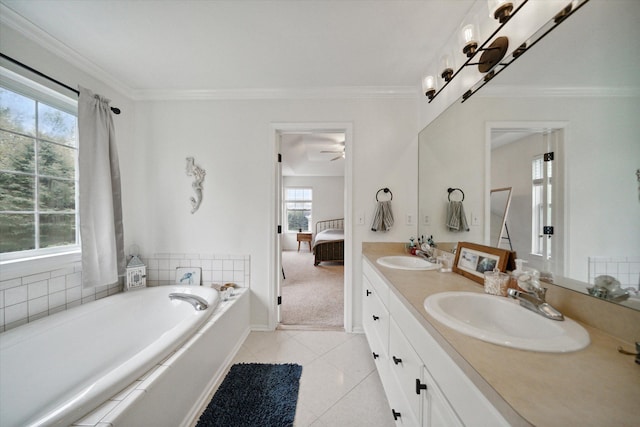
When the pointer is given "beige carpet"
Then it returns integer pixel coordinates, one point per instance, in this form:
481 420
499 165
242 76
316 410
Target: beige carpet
311 295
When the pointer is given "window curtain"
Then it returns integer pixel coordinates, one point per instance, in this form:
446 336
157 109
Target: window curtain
100 211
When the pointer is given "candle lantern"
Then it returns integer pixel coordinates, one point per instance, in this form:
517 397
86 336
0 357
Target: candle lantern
136 274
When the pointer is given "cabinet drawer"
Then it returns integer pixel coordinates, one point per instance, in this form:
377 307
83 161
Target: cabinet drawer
406 366
375 320
377 282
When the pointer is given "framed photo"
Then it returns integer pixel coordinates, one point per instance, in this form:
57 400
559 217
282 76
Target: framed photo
472 260
188 276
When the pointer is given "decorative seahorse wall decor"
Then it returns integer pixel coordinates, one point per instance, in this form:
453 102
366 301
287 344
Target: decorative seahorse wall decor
198 173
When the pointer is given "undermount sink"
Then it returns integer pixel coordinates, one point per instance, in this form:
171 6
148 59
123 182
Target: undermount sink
502 321
407 263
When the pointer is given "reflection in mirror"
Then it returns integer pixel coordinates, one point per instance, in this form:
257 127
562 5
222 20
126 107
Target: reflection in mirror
576 88
499 209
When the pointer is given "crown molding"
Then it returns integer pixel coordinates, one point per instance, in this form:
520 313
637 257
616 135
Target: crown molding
34 33
337 92
498 91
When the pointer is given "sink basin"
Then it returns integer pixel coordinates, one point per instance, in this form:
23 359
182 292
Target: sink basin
502 321
407 263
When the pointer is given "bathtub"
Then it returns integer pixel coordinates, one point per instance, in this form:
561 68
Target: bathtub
57 369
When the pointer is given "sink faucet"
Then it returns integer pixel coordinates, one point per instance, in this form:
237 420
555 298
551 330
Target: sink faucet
428 256
535 302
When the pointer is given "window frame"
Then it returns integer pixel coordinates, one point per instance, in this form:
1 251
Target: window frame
13 261
285 210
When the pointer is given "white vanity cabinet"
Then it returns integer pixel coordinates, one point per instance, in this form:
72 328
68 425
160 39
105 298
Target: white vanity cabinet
424 386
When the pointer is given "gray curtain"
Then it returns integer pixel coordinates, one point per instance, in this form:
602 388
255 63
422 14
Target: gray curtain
101 230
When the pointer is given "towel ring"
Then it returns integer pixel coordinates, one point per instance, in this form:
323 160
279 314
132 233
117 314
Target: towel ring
386 190
451 190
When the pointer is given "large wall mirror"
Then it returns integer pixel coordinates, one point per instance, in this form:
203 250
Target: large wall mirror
575 94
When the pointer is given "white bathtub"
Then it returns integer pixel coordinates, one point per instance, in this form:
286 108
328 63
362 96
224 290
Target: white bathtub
57 369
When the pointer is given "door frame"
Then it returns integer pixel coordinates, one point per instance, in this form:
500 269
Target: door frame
275 261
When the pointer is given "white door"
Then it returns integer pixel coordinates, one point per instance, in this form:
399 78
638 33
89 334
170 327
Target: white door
279 228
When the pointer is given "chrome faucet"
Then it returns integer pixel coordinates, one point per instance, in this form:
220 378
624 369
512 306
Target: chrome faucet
196 301
535 302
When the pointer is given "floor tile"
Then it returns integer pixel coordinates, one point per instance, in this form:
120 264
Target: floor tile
366 405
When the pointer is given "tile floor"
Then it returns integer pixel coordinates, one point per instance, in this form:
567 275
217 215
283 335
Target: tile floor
339 384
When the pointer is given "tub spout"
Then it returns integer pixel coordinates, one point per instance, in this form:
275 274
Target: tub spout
197 302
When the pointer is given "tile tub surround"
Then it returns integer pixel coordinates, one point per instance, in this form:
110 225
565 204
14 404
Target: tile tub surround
216 269
31 297
595 386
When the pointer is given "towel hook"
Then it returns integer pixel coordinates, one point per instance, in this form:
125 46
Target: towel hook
386 190
451 190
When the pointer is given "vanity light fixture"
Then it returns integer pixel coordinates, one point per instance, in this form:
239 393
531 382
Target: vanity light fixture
429 87
494 48
447 67
500 10
469 37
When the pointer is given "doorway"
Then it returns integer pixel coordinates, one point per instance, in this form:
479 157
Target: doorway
528 158
312 185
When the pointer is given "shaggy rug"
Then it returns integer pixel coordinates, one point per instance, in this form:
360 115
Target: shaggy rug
255 394
311 295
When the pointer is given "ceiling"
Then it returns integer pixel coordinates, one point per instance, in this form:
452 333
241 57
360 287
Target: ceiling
235 45
312 153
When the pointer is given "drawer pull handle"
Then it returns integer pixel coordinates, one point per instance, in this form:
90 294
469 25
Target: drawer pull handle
420 386
369 292
396 360
375 317
396 415
375 355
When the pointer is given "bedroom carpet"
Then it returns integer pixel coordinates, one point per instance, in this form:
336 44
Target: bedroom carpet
311 295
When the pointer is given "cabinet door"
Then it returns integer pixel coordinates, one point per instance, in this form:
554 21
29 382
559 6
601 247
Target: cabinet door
405 365
436 411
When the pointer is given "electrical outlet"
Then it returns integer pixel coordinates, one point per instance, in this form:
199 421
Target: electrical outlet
409 219
426 220
475 219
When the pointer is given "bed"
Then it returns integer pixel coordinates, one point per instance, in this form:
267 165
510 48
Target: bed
328 241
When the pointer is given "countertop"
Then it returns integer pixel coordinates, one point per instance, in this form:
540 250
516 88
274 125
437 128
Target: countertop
596 386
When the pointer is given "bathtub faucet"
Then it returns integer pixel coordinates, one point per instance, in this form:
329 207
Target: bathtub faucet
197 302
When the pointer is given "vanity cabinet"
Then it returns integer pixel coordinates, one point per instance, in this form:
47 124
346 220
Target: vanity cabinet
424 386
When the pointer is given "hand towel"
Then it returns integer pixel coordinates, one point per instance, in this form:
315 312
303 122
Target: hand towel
383 217
456 218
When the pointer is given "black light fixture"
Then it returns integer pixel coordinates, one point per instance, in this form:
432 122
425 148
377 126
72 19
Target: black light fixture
493 50
447 67
501 10
429 86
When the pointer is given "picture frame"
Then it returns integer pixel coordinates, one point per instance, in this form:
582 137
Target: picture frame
472 260
189 276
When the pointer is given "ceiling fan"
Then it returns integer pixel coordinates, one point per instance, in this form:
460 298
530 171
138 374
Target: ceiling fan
340 152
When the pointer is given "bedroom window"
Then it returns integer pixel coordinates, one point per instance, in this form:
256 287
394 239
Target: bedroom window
38 177
297 208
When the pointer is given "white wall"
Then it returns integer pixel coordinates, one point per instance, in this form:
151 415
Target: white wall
328 201
231 140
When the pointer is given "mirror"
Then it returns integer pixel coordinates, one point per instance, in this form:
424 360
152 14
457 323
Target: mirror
500 199
581 81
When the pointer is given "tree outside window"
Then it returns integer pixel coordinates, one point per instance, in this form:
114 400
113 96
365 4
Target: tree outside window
38 183
298 203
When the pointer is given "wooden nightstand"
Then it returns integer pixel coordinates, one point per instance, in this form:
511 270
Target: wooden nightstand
304 237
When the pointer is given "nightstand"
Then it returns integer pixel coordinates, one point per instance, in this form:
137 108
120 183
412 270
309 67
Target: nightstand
304 237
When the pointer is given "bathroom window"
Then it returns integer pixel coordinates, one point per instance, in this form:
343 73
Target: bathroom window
38 170
297 208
